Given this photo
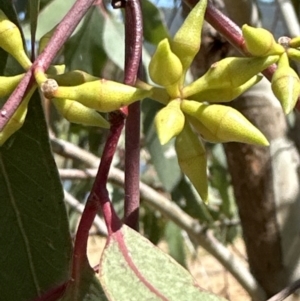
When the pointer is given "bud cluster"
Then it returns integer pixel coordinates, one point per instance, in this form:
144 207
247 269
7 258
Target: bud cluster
191 110
78 96
192 114
260 43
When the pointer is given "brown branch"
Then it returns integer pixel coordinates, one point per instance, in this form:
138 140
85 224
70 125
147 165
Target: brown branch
289 290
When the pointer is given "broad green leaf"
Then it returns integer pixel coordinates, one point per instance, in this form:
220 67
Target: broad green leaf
88 288
163 157
50 16
34 236
84 50
113 41
193 205
175 243
34 8
153 225
131 268
155 28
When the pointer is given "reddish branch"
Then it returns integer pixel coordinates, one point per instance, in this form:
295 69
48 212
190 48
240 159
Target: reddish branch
60 36
133 53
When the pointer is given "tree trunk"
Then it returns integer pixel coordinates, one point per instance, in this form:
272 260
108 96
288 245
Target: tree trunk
266 188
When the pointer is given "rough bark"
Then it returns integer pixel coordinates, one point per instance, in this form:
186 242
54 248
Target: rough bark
266 184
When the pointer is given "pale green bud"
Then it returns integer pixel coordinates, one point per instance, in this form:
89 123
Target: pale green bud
229 73
75 112
187 40
225 123
101 95
192 160
286 84
18 118
169 121
9 83
11 41
165 68
225 94
260 42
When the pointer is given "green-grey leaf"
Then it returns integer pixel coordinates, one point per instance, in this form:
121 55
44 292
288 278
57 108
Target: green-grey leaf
155 28
131 268
84 50
50 16
175 243
34 8
34 237
113 41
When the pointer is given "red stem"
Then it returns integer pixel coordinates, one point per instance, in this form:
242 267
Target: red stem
98 198
133 53
61 34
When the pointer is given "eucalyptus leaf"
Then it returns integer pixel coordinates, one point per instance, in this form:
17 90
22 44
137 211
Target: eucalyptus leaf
155 28
131 268
50 16
84 50
34 8
175 243
34 236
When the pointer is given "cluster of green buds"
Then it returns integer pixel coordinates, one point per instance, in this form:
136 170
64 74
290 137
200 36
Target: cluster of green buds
78 96
194 113
260 43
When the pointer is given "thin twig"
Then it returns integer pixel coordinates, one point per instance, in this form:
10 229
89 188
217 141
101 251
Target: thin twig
81 174
289 290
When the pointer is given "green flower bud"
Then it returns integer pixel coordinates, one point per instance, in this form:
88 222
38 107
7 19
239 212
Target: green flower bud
157 93
203 131
260 42
192 160
169 121
55 70
75 112
18 118
225 94
74 78
225 123
165 68
229 73
9 83
293 54
286 84
101 95
187 40
295 42
11 41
